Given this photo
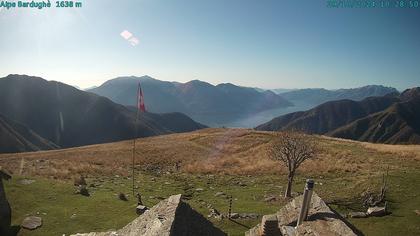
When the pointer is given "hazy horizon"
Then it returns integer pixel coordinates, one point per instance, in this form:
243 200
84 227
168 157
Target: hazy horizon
270 44
214 84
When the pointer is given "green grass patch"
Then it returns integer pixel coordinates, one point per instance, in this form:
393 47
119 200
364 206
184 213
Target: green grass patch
65 212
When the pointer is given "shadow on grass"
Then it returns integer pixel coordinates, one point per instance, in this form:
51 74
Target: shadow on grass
352 227
236 222
329 215
13 230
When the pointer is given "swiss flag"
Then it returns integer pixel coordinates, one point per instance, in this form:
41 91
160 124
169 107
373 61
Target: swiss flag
140 100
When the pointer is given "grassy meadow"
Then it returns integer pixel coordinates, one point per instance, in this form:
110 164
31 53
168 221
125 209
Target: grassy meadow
233 161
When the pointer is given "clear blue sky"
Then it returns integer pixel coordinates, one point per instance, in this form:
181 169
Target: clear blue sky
269 44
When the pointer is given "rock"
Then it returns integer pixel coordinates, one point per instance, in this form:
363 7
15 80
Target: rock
242 184
215 214
122 197
199 189
169 217
218 194
248 215
73 216
32 222
376 211
357 214
82 190
417 212
321 220
27 181
140 209
234 215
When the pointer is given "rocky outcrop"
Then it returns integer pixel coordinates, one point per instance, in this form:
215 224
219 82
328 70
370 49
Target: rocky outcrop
321 221
170 217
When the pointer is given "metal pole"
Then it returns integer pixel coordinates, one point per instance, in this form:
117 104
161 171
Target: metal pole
134 147
307 195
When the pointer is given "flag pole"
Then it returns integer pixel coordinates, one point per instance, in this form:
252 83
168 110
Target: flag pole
134 149
140 106
135 137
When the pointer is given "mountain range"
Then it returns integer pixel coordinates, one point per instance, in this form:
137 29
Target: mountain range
36 114
68 117
388 119
399 123
225 104
317 96
206 103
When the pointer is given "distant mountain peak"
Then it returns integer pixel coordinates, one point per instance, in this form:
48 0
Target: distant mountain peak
409 94
22 76
196 81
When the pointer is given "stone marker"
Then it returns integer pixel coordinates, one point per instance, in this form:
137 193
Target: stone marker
32 222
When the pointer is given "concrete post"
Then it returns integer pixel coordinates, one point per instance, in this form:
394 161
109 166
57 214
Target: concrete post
307 195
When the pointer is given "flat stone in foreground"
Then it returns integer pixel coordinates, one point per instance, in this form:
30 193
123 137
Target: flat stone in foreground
32 222
170 217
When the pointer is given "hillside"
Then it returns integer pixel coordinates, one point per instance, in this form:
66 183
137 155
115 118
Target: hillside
318 96
70 117
217 151
15 137
329 116
213 165
206 103
400 123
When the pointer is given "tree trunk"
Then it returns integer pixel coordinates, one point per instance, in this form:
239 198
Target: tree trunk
288 192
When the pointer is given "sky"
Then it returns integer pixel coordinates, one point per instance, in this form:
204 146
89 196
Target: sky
257 43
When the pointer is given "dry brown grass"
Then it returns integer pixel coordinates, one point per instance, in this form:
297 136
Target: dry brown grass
412 151
217 151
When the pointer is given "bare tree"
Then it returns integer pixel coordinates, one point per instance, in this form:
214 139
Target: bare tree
291 149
